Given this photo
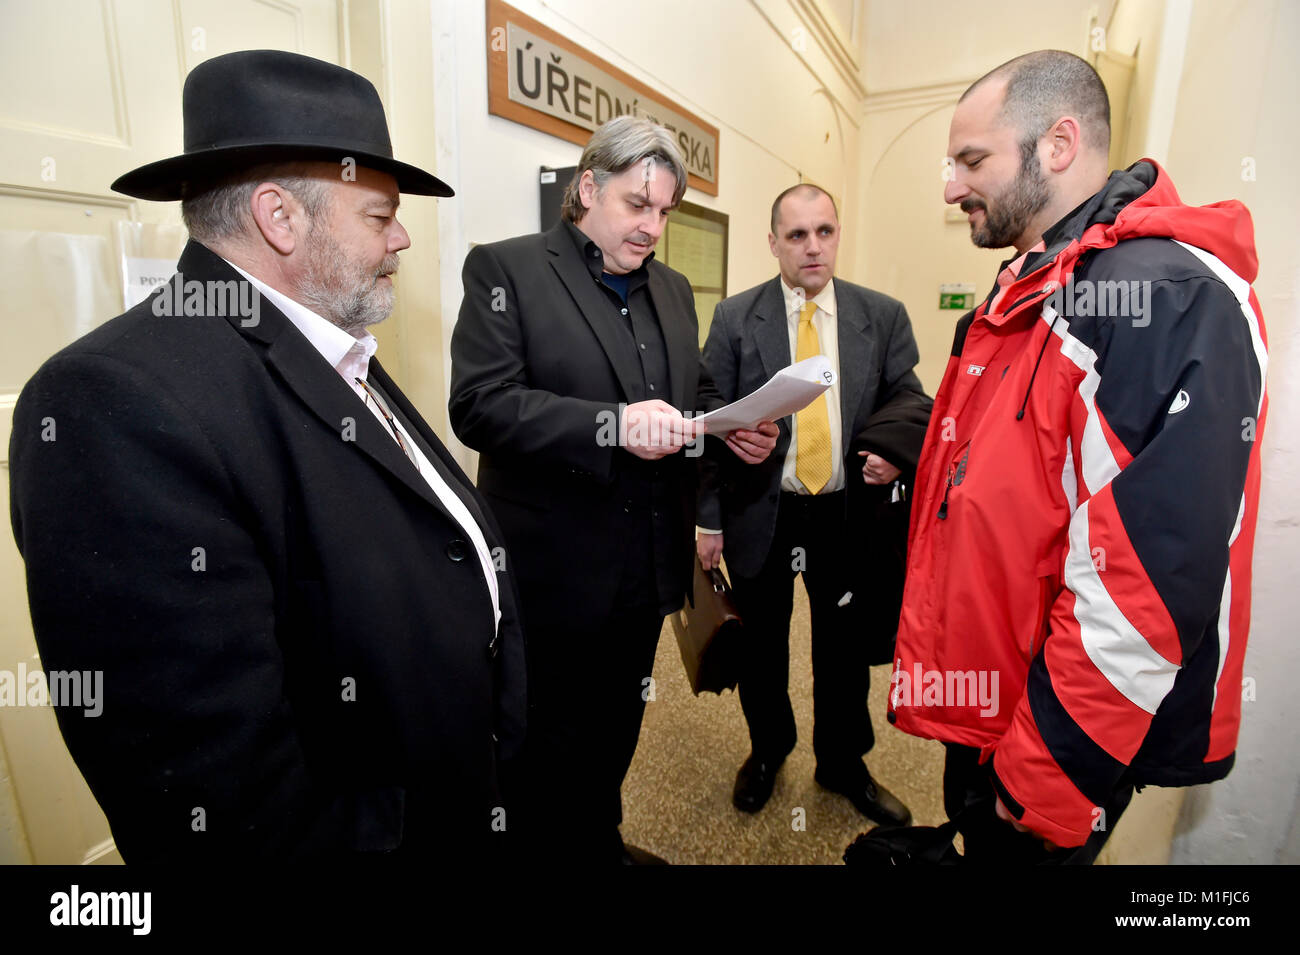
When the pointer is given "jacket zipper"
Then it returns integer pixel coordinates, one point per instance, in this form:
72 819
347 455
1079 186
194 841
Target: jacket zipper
956 474
943 505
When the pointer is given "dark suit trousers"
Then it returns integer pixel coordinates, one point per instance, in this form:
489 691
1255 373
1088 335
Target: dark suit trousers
989 840
842 730
588 685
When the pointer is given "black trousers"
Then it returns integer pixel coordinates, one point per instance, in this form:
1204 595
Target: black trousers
810 539
991 841
588 686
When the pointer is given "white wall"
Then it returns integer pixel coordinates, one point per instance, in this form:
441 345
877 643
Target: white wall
912 44
1154 32
1240 70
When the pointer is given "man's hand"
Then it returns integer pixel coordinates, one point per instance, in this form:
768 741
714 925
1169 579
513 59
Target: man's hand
653 429
1005 815
709 549
876 470
753 447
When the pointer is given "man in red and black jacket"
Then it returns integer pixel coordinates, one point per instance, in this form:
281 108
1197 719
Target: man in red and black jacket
1078 587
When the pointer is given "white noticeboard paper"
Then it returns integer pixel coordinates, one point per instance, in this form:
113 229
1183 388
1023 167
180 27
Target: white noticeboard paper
791 389
142 276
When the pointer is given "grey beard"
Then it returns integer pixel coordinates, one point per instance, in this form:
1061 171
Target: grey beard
329 291
351 310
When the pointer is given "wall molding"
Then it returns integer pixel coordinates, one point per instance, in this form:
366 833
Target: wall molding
108 200
914 97
96 853
841 54
121 137
824 38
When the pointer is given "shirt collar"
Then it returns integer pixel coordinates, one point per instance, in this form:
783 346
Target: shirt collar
333 343
594 258
824 300
1012 268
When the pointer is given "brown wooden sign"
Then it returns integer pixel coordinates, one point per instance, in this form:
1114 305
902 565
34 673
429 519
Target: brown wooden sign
540 79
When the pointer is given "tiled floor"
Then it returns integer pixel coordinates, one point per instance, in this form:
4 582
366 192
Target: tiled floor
677 796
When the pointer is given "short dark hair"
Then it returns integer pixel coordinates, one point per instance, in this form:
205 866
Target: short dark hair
808 189
1045 85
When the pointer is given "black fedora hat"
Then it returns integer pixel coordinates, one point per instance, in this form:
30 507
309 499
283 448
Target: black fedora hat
258 106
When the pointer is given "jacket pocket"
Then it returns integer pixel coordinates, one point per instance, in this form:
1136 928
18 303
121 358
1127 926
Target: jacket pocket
532 499
1048 587
956 475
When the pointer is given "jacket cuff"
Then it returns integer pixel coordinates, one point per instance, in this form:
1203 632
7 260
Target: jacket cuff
1033 788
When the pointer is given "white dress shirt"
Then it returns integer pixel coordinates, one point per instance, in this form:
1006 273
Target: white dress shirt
350 357
824 321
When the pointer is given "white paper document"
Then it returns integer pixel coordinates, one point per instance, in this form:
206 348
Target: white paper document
791 389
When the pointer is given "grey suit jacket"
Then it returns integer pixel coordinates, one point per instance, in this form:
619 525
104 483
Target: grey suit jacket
748 343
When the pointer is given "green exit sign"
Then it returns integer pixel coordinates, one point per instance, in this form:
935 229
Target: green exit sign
957 295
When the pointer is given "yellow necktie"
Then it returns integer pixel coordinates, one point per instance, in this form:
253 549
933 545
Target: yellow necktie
812 463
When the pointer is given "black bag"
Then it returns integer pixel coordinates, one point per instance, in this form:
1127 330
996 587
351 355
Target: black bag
906 845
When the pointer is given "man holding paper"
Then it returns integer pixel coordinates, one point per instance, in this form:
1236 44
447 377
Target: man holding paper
573 360
793 513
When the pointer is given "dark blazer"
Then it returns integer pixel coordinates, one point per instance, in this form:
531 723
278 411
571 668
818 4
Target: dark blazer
748 343
536 368
297 643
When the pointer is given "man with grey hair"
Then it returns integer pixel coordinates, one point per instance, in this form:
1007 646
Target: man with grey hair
230 510
1078 588
575 363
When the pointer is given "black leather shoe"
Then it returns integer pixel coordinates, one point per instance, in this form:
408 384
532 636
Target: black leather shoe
754 783
632 855
869 797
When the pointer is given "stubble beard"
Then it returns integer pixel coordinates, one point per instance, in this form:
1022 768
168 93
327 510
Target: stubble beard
1009 216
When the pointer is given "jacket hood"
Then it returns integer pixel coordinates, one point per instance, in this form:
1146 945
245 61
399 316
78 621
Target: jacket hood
1141 201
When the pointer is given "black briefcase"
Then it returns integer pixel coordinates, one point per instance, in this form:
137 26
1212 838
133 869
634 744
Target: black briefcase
709 634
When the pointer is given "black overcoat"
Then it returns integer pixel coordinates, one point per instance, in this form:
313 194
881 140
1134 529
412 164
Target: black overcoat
296 639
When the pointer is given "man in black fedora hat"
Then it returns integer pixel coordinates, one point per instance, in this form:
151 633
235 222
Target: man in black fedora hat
299 604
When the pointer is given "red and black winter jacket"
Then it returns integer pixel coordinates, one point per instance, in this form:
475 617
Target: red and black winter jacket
1078 585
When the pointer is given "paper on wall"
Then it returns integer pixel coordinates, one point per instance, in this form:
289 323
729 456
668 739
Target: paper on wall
58 286
147 254
143 276
791 389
